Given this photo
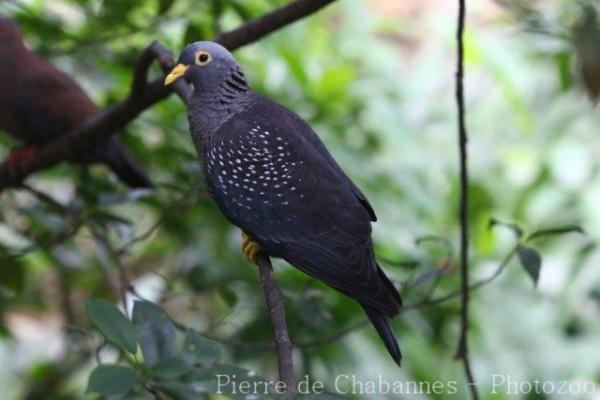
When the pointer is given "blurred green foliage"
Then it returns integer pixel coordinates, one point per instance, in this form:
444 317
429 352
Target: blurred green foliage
377 87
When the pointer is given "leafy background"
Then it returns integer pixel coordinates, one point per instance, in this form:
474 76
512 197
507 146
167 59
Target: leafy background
375 79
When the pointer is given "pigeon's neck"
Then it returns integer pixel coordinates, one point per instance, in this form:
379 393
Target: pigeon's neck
214 103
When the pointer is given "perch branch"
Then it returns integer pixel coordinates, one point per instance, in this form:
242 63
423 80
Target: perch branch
145 93
276 306
463 347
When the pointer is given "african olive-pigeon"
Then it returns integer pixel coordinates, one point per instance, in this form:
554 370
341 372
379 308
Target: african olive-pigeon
39 103
271 176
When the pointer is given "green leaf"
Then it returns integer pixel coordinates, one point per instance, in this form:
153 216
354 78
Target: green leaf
155 332
170 368
13 273
200 350
111 380
334 81
228 296
563 63
164 6
531 261
561 230
111 322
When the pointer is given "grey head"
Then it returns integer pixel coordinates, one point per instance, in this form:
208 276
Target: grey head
209 66
220 87
10 34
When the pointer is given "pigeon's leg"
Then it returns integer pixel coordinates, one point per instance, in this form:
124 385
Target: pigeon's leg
18 156
249 248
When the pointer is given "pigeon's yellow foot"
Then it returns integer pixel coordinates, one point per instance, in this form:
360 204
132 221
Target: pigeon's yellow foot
249 248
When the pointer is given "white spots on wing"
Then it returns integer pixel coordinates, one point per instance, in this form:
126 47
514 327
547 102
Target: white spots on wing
253 170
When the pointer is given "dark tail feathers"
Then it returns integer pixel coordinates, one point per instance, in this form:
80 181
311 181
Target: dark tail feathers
123 165
383 328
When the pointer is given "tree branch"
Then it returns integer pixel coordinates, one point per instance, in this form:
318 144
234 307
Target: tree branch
276 306
463 348
268 23
146 93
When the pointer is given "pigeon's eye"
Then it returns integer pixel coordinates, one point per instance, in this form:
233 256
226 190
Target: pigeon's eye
202 58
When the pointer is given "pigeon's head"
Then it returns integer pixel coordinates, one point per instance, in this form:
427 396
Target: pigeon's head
10 33
206 65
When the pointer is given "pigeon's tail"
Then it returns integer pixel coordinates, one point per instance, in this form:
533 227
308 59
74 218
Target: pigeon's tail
383 328
123 165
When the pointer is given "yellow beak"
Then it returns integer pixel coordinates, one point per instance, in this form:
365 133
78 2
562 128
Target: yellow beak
176 73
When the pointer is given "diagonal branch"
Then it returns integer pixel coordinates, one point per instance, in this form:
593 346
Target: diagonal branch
143 94
268 23
146 93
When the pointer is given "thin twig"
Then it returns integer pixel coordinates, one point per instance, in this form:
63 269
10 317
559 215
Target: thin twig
124 281
276 306
458 293
177 204
46 198
463 346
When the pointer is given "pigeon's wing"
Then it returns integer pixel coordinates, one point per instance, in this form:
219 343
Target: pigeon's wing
280 189
50 104
302 128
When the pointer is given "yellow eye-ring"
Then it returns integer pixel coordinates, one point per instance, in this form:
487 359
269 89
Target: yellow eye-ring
203 58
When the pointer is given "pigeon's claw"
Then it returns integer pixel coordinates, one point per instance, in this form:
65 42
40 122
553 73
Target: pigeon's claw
249 248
